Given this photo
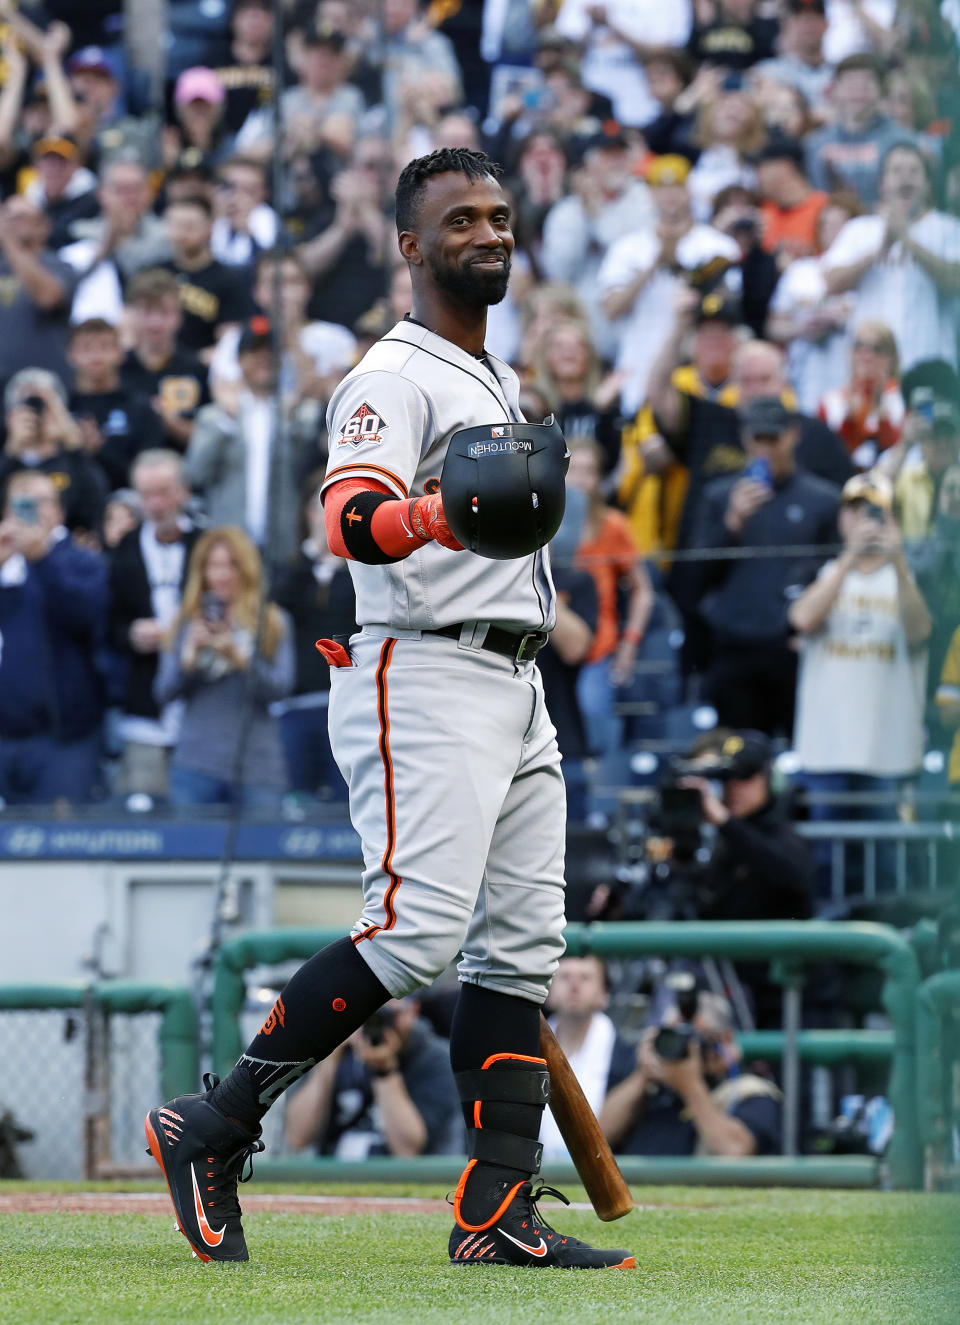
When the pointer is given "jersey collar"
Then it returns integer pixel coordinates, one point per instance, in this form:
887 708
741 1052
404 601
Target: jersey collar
414 333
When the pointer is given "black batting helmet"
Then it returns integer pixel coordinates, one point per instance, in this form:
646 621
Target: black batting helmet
503 486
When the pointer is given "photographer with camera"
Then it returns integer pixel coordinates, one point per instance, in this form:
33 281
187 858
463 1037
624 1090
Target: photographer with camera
718 802
387 1090
42 436
686 1094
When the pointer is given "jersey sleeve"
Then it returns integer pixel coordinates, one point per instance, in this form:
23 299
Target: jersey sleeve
379 425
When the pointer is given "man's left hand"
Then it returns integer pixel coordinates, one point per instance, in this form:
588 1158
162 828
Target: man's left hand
714 810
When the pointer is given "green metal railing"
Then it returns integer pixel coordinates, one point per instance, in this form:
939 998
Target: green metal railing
788 943
825 1048
444 1170
937 999
179 1066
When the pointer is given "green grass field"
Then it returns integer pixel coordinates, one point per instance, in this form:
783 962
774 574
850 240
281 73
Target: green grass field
704 1255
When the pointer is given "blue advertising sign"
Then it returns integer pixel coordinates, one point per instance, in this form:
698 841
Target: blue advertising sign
175 840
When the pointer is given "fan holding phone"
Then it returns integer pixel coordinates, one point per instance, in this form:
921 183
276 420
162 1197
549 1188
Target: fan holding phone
219 635
767 531
769 439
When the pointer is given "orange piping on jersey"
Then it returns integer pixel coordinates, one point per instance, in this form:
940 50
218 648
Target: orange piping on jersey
343 470
386 653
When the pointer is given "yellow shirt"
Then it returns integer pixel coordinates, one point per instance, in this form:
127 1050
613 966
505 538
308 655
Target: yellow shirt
913 502
653 503
948 691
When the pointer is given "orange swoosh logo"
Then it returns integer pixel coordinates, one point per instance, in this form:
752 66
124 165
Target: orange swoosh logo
212 1237
534 1251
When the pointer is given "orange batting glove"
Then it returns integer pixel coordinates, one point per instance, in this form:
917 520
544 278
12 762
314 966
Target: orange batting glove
429 522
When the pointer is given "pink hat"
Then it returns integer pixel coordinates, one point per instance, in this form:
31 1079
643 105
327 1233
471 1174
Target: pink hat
198 84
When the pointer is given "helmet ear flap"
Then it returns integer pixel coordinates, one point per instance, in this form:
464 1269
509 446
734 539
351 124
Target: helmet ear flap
503 487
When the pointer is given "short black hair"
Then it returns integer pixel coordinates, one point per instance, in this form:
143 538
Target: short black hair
193 200
445 161
93 326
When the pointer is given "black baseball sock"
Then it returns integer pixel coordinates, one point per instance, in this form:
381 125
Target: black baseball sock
496 1033
322 1003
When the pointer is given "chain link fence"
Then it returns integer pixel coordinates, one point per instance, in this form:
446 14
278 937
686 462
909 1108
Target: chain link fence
42 1092
80 1070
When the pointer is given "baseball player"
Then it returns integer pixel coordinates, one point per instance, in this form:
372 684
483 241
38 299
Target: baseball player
438 723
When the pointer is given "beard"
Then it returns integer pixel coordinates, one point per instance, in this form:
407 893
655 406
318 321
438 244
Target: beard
470 285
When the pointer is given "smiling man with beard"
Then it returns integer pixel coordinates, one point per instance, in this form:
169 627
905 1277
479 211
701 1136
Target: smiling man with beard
438 723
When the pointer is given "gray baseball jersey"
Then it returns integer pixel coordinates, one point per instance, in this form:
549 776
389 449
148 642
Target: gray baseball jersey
447 748
391 419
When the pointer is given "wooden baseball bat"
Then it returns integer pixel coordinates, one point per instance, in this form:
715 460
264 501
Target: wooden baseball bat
599 1172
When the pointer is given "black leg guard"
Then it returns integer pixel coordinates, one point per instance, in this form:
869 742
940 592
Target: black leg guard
507 1098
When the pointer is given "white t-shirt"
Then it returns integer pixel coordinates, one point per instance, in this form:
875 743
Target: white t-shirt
645 327
609 65
897 290
717 168
814 367
860 691
257 415
99 293
845 34
591 1067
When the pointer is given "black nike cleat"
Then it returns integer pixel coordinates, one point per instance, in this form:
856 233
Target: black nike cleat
202 1155
519 1235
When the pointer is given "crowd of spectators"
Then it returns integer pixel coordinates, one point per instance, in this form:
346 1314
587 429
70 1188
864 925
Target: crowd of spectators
736 283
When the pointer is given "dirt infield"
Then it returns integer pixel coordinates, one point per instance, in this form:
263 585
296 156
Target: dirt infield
150 1203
